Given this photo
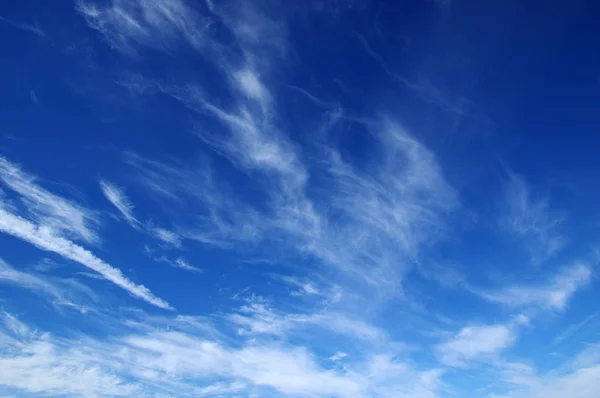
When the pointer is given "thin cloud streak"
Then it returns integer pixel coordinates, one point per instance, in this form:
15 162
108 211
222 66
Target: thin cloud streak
156 24
183 264
23 26
37 363
222 220
555 294
117 197
63 293
474 343
259 319
531 218
180 262
166 236
576 378
44 238
425 90
574 329
48 209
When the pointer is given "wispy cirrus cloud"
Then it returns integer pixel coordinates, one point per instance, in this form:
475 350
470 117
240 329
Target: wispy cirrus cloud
405 202
60 292
553 291
164 235
183 264
259 319
531 218
304 287
477 342
369 225
37 363
179 262
574 329
577 378
45 238
400 208
119 199
47 209
182 360
35 29
423 87
553 294
212 216
158 24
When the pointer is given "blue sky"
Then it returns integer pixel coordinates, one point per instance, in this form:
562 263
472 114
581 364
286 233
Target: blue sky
301 199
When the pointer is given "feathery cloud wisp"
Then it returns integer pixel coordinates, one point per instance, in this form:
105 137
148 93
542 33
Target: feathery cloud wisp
166 236
181 360
49 209
577 378
532 219
158 24
183 264
117 197
60 292
44 238
23 26
475 342
554 294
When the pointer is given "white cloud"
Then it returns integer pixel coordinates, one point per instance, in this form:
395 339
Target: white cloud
554 294
220 220
249 84
368 224
45 238
370 221
585 383
257 319
183 264
180 262
61 292
338 356
423 88
473 343
34 363
154 24
222 388
394 211
252 144
166 236
35 29
577 378
148 358
48 209
517 374
573 329
117 197
304 287
34 97
14 326
530 217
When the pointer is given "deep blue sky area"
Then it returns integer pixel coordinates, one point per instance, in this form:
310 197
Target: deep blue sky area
227 198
